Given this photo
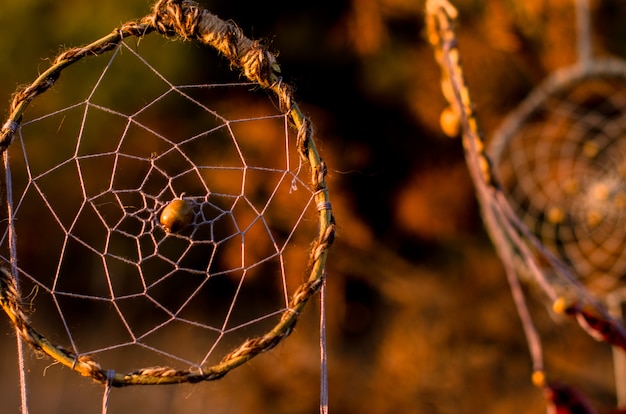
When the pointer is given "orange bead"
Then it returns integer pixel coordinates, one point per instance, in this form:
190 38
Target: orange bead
449 122
176 215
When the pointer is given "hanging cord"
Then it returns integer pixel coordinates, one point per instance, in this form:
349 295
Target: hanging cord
323 350
583 32
22 369
12 246
107 391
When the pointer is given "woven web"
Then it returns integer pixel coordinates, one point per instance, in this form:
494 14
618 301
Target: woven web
564 169
93 166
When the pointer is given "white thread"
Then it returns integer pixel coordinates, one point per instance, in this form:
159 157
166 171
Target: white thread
583 32
323 349
324 205
107 390
14 274
11 126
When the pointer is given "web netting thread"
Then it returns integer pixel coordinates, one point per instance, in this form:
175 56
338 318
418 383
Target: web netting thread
563 169
87 185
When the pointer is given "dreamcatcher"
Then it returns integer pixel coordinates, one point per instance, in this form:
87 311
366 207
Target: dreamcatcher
156 220
550 188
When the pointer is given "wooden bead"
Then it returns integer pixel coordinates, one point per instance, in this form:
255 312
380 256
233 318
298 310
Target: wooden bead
176 215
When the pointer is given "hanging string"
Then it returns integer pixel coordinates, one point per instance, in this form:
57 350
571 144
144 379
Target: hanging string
22 370
12 246
583 32
107 391
323 350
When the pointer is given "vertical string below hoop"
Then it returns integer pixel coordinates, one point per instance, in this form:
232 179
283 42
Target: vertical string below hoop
107 391
323 349
583 32
12 248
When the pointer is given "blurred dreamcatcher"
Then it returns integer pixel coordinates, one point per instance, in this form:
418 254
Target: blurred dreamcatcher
551 187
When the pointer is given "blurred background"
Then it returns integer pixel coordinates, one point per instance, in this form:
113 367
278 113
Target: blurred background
420 318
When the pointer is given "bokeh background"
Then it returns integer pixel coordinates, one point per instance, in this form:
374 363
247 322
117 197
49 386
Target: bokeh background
420 318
